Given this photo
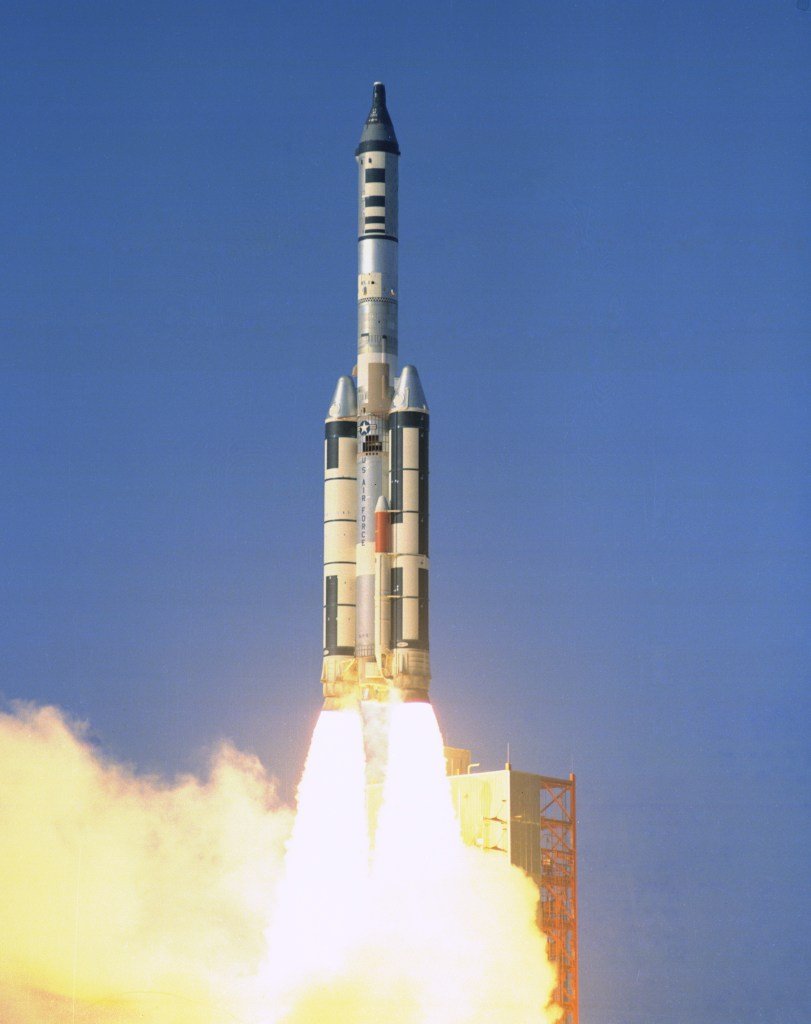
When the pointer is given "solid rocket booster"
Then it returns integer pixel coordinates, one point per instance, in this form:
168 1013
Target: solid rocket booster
376 469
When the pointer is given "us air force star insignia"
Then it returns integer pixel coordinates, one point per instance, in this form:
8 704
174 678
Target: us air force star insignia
364 427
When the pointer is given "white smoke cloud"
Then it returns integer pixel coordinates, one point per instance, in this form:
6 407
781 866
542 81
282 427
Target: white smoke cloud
122 897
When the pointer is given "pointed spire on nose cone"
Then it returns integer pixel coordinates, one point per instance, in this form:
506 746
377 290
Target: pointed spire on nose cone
409 393
344 401
378 132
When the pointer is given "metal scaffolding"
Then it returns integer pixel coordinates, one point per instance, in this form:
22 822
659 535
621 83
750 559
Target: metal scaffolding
558 886
531 819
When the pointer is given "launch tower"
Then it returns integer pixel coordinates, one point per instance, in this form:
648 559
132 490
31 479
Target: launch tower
530 820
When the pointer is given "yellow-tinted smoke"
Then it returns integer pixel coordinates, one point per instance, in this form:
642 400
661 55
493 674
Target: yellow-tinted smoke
124 899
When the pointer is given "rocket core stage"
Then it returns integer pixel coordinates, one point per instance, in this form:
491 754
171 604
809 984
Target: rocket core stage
376 469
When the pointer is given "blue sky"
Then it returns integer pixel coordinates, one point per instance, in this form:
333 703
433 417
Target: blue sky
604 284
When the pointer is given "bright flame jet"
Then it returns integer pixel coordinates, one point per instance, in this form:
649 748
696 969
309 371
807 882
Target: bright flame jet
320 915
376 469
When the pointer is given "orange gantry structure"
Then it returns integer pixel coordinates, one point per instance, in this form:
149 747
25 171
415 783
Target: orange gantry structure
532 820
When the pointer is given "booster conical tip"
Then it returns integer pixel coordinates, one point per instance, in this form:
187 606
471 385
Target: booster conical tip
409 393
344 400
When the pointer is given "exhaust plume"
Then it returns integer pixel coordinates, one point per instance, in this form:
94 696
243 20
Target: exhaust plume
127 899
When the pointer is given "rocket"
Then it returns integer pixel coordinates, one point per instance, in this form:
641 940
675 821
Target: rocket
375 622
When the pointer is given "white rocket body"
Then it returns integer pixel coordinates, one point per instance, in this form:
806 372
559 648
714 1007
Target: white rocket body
376 469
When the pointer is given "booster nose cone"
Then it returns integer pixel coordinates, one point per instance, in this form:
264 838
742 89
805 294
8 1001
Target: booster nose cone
344 401
378 132
409 393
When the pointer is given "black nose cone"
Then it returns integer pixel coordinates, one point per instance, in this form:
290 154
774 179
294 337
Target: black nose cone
378 132
379 113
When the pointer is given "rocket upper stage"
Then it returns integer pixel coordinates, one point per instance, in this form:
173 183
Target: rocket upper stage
376 468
